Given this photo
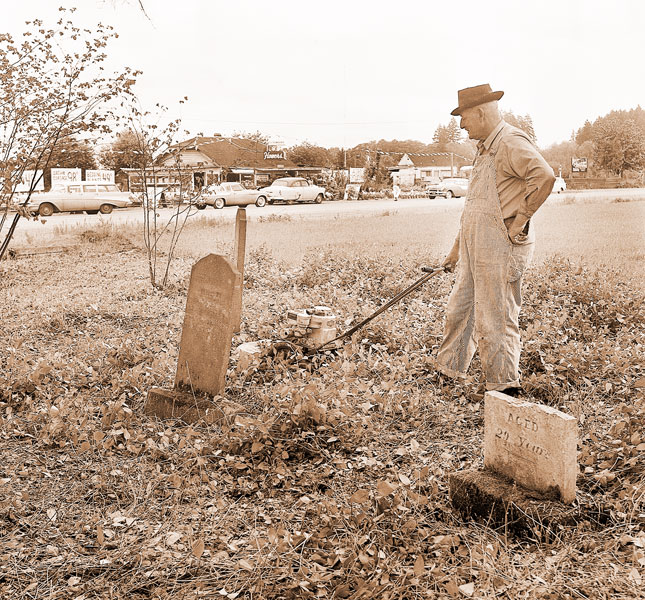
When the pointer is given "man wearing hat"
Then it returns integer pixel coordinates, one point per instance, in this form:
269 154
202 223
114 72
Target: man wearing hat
509 182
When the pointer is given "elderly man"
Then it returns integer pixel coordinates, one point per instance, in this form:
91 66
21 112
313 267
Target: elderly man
509 182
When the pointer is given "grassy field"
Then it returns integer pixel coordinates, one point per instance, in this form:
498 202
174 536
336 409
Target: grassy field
333 482
596 233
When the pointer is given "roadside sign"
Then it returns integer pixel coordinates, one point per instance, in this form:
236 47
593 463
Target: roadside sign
65 175
31 178
356 175
99 175
578 165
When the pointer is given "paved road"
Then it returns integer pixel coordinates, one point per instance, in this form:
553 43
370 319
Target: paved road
311 211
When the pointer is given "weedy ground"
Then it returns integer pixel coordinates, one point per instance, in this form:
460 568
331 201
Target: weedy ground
333 482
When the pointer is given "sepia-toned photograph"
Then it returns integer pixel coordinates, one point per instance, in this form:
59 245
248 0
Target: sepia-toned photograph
339 300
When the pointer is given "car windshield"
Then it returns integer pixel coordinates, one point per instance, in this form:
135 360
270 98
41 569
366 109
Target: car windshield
283 182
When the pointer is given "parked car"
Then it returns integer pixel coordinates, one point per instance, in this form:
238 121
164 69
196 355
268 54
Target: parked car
230 194
560 185
87 196
294 189
449 187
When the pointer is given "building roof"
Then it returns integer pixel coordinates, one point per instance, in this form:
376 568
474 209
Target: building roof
439 159
237 152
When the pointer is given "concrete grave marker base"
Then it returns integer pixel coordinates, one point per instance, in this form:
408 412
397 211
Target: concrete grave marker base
497 501
183 405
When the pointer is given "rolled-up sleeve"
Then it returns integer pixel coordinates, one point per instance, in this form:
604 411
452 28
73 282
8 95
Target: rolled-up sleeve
524 162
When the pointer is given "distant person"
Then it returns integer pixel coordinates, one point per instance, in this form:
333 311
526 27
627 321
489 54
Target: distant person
510 180
396 191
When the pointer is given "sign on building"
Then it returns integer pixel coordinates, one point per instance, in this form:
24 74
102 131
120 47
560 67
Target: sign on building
99 175
578 165
356 175
31 180
274 155
65 175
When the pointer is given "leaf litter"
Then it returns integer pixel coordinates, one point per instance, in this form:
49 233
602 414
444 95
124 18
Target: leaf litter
333 482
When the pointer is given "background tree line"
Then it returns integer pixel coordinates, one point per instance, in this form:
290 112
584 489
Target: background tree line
614 145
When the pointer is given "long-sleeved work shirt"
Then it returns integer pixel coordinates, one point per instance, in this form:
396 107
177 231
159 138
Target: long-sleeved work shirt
524 178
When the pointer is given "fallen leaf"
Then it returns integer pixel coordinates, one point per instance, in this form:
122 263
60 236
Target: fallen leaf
640 383
198 548
385 488
245 564
360 497
173 538
404 480
467 589
419 566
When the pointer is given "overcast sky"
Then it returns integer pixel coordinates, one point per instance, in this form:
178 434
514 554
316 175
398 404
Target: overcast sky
341 72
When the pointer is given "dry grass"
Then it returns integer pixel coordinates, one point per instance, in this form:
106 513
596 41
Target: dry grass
334 483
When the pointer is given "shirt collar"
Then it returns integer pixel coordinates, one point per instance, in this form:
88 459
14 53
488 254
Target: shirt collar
488 142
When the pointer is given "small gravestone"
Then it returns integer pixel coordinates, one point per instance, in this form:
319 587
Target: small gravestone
204 348
532 444
530 467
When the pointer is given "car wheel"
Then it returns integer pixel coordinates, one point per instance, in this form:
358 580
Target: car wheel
201 206
105 209
46 209
449 194
92 212
319 199
260 201
432 197
219 203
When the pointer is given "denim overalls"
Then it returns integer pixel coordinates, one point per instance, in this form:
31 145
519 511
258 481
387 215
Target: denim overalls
484 306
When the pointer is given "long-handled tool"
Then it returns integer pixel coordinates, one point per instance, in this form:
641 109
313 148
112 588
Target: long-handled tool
429 273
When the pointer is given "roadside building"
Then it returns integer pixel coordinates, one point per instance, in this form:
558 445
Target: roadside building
428 168
202 161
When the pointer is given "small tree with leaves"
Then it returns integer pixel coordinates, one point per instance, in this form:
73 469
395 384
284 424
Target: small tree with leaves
156 153
53 88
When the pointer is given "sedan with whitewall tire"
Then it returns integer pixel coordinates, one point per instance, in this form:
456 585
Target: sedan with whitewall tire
292 190
231 193
91 197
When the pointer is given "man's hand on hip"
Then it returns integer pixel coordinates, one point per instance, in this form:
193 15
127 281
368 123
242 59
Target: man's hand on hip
516 229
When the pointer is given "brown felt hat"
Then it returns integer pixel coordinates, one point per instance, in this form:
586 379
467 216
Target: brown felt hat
474 96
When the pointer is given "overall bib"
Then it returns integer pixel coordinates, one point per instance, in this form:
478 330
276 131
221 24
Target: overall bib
484 305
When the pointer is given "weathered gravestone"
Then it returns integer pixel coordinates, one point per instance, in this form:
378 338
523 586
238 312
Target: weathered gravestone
532 444
204 348
530 465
